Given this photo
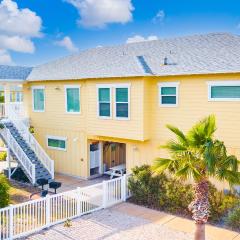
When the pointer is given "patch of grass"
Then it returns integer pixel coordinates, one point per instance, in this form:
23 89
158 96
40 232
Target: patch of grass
20 193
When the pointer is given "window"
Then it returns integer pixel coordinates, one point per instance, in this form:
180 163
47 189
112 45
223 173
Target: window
58 143
104 102
224 91
16 94
38 99
122 105
168 94
72 94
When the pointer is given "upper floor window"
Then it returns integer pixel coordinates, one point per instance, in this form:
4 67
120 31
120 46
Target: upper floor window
104 102
122 102
168 94
38 93
72 98
121 96
224 91
16 94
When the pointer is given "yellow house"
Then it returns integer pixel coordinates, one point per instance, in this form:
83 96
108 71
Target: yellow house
108 106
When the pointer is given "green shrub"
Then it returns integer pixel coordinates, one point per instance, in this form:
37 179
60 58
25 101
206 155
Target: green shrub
3 156
233 218
177 196
220 203
146 188
164 193
4 191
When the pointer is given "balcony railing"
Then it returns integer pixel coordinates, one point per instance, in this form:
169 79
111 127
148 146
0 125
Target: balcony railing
16 106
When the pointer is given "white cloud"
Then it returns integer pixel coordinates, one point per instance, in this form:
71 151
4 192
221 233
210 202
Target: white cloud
5 57
160 16
139 38
99 13
67 43
17 28
16 43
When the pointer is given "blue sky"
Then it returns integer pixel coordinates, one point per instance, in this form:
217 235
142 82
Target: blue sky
55 28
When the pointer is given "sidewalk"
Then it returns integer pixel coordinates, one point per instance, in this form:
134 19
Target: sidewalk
175 223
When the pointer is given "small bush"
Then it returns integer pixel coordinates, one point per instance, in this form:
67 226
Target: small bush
158 191
4 191
3 156
178 196
233 218
164 193
220 203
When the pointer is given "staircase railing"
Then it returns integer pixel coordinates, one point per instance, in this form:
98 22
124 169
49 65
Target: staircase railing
33 143
20 154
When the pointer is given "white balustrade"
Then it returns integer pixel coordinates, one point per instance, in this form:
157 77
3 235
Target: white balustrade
19 153
15 117
23 219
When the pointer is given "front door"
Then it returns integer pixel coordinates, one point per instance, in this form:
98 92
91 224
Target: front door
95 159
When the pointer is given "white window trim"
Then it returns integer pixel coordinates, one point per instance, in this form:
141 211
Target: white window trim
222 83
44 94
115 101
56 138
168 84
99 86
65 90
112 88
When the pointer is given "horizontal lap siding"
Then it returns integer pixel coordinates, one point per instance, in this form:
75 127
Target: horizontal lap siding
193 106
55 121
147 122
127 129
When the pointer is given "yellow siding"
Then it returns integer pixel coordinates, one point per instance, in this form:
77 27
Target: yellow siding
144 132
76 127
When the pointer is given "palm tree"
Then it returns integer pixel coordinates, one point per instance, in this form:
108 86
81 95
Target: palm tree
198 155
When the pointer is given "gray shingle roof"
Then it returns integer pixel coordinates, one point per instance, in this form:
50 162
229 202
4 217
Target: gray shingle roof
14 72
197 54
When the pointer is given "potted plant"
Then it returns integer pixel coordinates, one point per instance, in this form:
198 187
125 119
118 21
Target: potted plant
31 129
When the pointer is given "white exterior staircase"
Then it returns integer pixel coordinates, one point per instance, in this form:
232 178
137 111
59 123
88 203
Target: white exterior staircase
25 149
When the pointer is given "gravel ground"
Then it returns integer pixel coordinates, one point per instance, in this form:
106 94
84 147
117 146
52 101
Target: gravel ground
110 225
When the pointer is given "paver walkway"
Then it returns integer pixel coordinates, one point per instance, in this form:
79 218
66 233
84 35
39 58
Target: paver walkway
130 222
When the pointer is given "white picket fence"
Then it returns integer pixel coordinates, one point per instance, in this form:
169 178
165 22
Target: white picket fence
29 217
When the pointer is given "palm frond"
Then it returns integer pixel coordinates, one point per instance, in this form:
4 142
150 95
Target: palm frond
162 164
174 147
179 134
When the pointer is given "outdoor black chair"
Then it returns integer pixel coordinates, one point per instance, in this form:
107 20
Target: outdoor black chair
55 186
42 182
44 193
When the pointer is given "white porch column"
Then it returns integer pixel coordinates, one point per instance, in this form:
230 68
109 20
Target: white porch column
9 163
6 97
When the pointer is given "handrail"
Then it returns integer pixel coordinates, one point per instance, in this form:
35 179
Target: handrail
20 154
33 143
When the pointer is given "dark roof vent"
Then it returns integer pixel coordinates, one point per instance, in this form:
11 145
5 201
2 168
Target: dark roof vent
165 61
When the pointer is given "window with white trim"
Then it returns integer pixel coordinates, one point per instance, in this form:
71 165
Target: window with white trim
72 98
122 102
38 95
58 143
16 94
224 91
104 102
168 94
